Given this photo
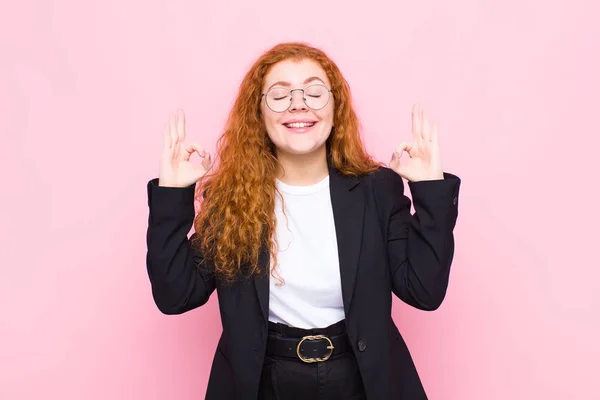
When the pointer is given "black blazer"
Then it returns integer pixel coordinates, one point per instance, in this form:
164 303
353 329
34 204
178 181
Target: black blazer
383 249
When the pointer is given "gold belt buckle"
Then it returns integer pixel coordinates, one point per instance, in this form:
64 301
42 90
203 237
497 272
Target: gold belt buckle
315 359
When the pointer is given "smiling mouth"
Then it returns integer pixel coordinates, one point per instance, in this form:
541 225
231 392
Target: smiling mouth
299 124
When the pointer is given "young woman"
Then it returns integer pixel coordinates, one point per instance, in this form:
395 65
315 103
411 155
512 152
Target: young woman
303 236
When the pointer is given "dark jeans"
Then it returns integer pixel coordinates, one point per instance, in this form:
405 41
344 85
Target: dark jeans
287 378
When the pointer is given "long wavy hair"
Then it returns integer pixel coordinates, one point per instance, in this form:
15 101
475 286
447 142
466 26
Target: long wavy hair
236 217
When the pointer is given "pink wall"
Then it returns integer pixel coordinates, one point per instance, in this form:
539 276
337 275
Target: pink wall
86 86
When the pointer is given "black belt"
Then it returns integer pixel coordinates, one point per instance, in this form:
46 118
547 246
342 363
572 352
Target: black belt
315 346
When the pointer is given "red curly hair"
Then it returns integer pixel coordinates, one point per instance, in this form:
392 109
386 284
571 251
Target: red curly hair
237 201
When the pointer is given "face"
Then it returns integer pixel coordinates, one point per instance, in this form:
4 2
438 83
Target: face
299 130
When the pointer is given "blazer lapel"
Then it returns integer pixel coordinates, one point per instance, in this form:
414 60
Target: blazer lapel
261 282
348 213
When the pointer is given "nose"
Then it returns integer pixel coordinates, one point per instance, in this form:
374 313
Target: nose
298 103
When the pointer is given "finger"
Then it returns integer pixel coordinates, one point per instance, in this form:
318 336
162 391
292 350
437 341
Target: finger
181 125
191 148
416 121
434 133
425 126
174 137
173 130
167 137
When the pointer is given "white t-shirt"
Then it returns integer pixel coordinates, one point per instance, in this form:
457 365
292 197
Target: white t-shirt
311 296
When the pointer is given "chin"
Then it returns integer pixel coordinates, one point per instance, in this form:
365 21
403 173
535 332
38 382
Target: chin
301 149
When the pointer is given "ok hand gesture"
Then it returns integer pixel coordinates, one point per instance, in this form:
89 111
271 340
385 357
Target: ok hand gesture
424 154
176 170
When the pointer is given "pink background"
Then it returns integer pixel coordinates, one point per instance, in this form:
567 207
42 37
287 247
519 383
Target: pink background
86 86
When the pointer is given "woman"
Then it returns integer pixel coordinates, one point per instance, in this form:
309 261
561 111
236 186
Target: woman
303 236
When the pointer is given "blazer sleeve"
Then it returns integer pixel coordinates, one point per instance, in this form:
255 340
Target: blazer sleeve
420 245
179 277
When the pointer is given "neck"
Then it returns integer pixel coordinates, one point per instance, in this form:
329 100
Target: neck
302 169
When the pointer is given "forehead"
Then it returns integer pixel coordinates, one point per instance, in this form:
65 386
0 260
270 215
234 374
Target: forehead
295 72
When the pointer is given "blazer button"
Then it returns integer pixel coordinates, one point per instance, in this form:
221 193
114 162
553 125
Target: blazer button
362 345
455 200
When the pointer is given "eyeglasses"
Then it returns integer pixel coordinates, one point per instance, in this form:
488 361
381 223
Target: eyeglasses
315 97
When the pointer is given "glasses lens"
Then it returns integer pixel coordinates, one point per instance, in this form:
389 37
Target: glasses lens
278 99
316 96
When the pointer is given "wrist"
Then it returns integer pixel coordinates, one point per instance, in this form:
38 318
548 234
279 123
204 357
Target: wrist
431 177
166 183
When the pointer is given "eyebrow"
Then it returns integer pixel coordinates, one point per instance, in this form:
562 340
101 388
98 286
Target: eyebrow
288 84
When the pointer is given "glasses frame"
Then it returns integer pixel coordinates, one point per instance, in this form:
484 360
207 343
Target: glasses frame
329 91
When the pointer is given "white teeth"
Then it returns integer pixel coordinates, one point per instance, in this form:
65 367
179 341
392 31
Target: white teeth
300 124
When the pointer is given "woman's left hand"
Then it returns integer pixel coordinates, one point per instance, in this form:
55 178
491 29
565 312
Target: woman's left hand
424 154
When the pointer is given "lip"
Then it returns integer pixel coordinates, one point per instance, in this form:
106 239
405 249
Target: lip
307 120
303 129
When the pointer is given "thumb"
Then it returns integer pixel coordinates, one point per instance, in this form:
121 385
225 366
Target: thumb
395 161
397 155
207 161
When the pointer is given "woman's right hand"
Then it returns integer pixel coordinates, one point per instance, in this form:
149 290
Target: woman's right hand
176 170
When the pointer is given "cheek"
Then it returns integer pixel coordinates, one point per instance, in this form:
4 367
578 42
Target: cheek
330 112
328 116
273 129
269 120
